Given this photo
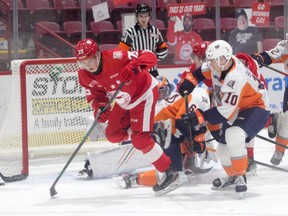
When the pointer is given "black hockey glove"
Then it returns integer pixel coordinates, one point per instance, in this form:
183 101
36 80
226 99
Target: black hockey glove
187 83
258 58
199 147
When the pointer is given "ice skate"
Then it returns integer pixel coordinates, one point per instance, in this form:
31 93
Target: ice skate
241 185
85 173
227 182
252 168
277 157
168 182
126 181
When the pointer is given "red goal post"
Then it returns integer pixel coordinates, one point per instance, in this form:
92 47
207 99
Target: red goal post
46 115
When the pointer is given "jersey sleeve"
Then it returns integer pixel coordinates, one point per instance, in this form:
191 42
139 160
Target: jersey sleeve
95 95
277 52
146 59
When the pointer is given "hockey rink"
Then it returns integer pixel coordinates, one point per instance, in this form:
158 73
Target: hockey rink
266 195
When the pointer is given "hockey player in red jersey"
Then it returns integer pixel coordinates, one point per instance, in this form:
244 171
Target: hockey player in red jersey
241 106
101 74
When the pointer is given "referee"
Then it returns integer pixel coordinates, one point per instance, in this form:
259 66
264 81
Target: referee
143 35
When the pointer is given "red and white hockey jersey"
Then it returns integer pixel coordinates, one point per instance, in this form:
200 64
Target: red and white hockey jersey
100 87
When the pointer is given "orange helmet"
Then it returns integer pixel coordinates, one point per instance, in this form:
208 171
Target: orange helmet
86 48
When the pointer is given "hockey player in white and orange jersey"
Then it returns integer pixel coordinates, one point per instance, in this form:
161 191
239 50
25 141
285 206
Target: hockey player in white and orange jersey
241 106
279 124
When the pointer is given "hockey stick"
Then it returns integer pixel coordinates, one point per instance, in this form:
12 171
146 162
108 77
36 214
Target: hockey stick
127 157
271 141
53 192
194 168
274 69
14 178
270 166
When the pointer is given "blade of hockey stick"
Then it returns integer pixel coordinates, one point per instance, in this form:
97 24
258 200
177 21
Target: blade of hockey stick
271 166
14 178
53 191
271 141
197 170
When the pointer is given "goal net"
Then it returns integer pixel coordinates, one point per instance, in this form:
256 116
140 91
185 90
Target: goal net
46 116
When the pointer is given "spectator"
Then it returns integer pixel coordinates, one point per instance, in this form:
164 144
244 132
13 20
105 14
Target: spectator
244 38
182 40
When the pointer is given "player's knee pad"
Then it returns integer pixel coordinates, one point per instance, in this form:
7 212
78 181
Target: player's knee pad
282 127
223 154
98 131
235 139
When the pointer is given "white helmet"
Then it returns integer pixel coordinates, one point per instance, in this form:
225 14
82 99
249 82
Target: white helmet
217 49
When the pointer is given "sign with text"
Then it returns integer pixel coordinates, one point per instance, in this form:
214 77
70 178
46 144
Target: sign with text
260 14
182 9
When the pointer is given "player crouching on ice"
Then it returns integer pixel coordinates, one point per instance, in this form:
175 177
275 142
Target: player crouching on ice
241 106
101 74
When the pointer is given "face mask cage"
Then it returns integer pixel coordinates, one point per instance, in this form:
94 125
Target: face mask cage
164 92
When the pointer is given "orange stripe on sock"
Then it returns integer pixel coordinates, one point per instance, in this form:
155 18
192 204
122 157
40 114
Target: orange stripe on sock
229 170
148 178
281 141
240 165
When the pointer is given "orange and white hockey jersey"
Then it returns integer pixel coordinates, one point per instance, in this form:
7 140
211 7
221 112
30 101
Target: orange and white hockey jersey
175 105
235 90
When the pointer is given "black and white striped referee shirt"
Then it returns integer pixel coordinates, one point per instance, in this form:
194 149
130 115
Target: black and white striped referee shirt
136 38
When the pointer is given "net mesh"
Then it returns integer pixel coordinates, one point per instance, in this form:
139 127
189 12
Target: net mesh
51 112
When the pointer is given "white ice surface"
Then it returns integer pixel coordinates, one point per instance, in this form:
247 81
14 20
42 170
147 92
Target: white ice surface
267 193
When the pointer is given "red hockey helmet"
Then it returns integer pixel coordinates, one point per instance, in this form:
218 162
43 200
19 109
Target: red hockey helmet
86 48
199 49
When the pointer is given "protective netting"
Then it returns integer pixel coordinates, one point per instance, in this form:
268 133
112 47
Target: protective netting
47 114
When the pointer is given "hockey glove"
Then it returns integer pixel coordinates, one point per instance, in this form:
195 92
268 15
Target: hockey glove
198 147
130 71
258 58
195 118
103 117
187 84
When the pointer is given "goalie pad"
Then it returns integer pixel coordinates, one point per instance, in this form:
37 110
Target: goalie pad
98 133
162 131
1 182
116 161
